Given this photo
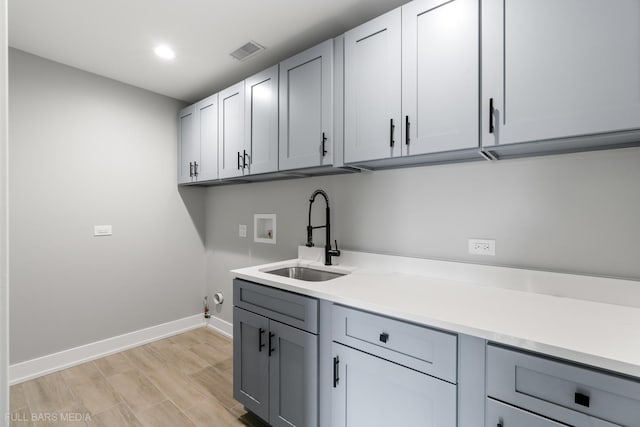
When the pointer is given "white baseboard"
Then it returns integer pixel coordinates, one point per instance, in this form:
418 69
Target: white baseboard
44 365
221 326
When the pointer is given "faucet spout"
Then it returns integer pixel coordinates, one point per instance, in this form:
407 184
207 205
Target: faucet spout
320 192
328 251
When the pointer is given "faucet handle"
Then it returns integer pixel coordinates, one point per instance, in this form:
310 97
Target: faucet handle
336 251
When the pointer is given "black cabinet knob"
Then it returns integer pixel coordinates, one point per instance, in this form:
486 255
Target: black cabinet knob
384 337
581 399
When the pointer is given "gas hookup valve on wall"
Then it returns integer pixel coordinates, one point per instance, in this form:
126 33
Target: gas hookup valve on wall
207 315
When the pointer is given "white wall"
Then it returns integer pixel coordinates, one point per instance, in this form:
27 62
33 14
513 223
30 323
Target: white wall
577 213
4 274
86 150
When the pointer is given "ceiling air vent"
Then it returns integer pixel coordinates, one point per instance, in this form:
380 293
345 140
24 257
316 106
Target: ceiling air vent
248 50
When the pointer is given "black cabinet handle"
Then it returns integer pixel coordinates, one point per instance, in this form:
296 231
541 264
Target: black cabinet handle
384 337
244 159
491 111
260 343
336 365
406 130
392 127
191 169
581 399
195 169
271 349
238 160
324 140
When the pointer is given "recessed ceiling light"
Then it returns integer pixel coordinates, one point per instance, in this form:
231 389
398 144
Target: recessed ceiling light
165 52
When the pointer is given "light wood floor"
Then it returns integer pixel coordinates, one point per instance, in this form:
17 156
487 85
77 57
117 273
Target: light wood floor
182 381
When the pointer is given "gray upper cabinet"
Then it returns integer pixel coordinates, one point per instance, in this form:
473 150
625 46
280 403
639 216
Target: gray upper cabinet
306 113
206 128
369 391
198 142
372 85
558 69
412 83
232 153
261 121
432 81
440 80
188 146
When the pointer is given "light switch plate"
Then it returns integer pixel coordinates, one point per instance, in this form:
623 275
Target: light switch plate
242 230
102 230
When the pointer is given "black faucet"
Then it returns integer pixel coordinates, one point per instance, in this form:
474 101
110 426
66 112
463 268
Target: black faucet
328 252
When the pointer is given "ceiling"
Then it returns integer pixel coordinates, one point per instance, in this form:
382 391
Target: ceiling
115 38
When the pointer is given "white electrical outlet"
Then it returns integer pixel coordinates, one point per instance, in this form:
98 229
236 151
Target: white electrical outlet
102 230
242 230
482 247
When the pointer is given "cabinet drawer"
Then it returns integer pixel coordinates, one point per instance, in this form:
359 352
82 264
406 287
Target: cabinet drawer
560 390
500 414
423 349
292 309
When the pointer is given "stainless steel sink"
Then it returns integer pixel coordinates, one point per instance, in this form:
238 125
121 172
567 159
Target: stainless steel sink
305 273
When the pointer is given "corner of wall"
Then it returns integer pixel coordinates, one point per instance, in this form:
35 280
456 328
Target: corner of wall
4 275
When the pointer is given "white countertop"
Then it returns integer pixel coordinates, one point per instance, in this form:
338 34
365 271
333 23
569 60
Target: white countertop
502 305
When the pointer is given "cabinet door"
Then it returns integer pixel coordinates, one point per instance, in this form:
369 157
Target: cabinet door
188 146
440 76
306 99
371 392
293 377
559 68
207 135
231 149
251 361
261 121
372 89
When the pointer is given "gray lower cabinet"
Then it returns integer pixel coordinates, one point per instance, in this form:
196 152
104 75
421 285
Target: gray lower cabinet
275 365
293 377
389 372
558 390
370 391
251 361
503 415
423 349
353 368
